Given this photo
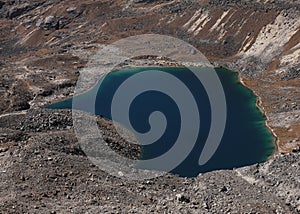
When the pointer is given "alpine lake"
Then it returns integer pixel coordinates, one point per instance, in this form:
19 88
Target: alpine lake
246 139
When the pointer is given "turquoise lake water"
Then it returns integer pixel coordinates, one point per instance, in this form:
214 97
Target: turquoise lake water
246 138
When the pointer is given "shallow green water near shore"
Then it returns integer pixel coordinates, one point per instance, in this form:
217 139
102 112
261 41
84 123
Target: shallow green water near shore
246 138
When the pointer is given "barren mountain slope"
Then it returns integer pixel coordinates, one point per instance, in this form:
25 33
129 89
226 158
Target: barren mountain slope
261 40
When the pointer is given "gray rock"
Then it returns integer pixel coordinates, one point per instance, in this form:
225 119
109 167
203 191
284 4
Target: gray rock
182 198
49 20
71 9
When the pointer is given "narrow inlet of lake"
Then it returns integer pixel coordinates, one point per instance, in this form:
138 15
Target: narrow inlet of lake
246 138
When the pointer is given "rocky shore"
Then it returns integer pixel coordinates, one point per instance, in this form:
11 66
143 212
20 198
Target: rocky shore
43 150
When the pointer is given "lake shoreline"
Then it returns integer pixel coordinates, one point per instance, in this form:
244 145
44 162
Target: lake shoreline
259 105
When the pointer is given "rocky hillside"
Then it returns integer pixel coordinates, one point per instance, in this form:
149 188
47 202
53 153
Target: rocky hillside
44 45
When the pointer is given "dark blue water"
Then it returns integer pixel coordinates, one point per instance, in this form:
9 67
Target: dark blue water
246 139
